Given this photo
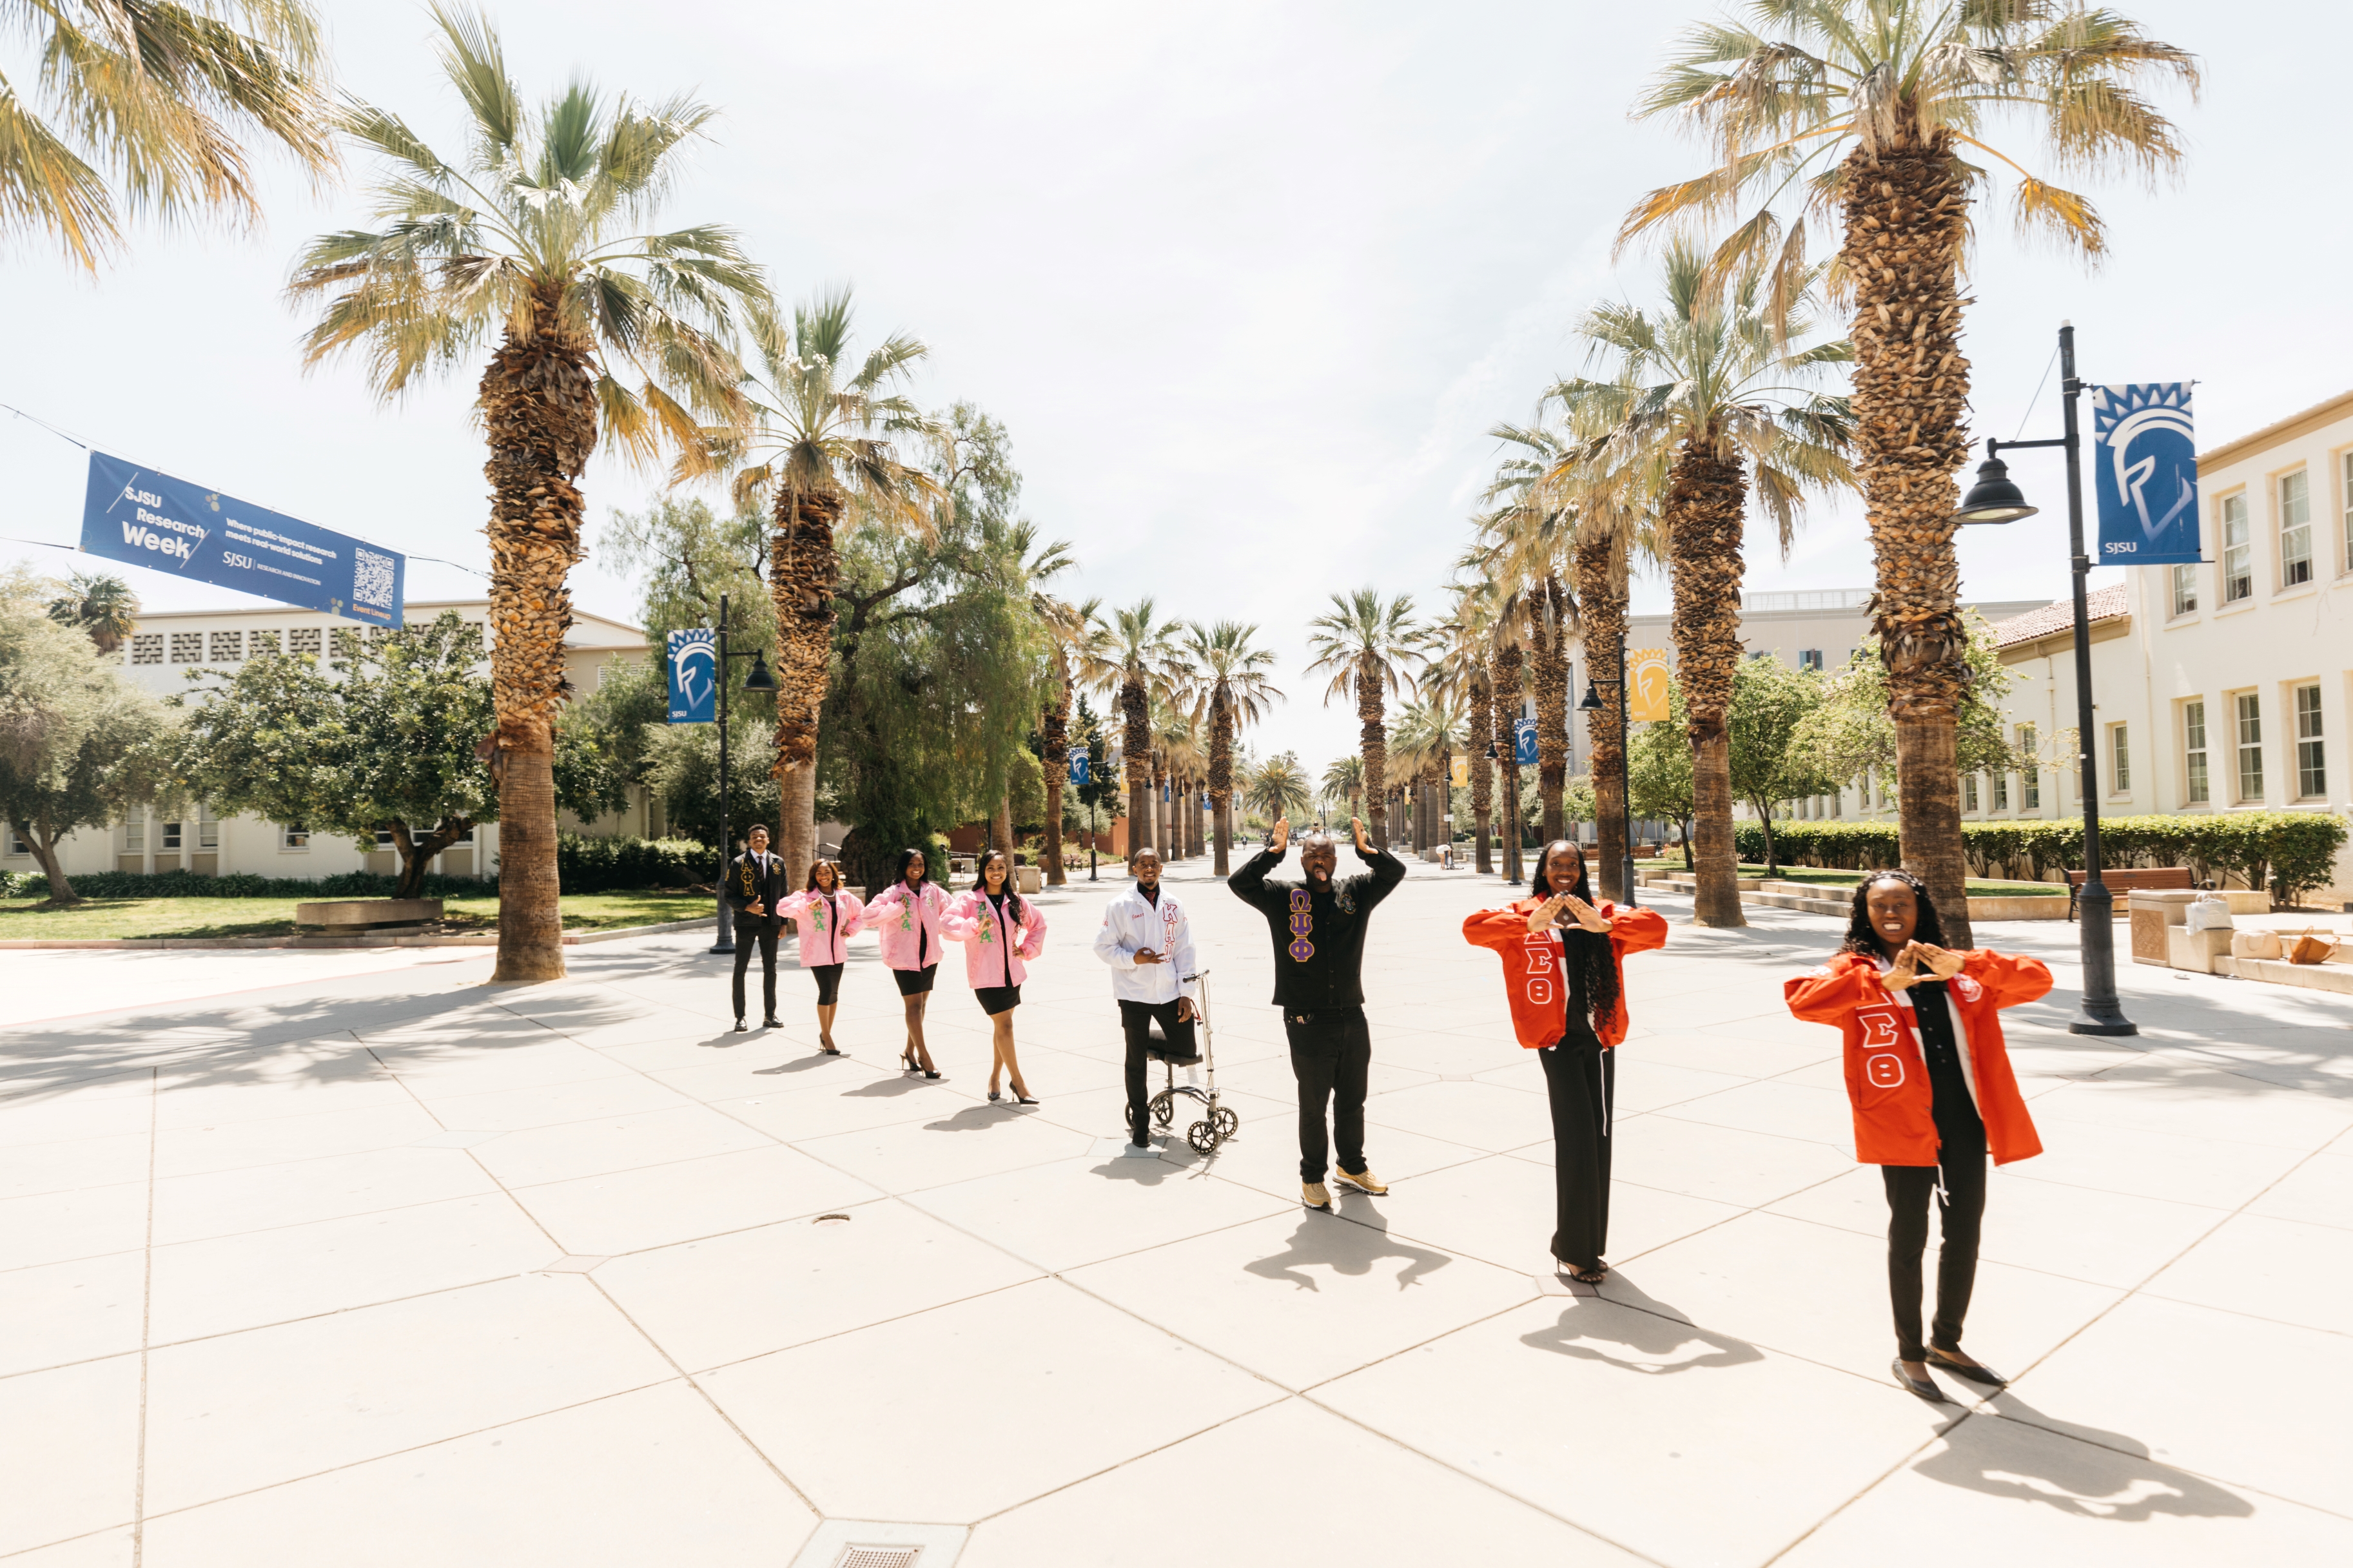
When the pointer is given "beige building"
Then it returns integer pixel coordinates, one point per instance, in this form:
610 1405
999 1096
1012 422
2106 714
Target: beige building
164 647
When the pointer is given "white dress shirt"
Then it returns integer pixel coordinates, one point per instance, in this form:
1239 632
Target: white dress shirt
1131 922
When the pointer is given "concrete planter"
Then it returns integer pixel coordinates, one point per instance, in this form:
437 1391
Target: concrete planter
2025 907
345 916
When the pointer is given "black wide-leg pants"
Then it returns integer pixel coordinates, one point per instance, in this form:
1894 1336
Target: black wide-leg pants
1331 1057
767 930
1580 1078
1136 1019
1960 1214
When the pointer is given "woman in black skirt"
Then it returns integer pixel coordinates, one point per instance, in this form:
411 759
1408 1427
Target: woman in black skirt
907 914
999 929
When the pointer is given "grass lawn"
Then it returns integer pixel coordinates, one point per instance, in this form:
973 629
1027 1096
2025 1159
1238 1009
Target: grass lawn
1814 873
23 920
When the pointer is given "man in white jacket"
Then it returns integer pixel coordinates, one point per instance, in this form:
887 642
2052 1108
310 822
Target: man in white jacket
1148 943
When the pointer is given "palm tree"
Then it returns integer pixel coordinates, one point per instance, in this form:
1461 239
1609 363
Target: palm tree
152 100
1344 784
1176 750
1278 788
1530 531
829 435
1462 674
1505 679
1429 733
1235 673
1874 110
1706 392
99 604
538 236
1134 657
1072 629
1365 644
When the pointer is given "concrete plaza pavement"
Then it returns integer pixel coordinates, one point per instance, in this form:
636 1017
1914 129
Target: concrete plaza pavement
387 1265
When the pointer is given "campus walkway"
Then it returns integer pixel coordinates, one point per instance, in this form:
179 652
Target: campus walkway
396 1268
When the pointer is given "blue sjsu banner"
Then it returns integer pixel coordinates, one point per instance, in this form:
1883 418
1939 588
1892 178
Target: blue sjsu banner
153 520
2145 473
693 660
1079 768
1523 742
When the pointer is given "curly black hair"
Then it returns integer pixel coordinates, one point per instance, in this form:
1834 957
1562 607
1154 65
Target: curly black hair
1585 952
1012 896
1862 939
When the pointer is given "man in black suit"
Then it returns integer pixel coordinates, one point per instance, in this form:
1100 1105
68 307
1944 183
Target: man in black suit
756 882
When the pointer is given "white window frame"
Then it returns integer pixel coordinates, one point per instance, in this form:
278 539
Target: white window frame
2196 774
2001 789
19 847
135 833
2345 474
173 836
2119 758
1969 794
2185 588
2029 793
293 838
2238 551
2311 748
2247 747
2295 493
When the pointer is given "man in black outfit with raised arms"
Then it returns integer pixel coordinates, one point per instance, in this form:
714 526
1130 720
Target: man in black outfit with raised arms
1318 925
756 884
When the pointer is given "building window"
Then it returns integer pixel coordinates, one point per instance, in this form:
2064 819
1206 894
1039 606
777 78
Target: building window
2296 529
2030 771
147 647
228 647
2119 761
1969 792
2250 707
262 643
17 845
2185 589
2349 512
188 647
134 835
2238 551
303 639
1810 658
2311 768
294 836
2002 792
2193 745
207 829
170 836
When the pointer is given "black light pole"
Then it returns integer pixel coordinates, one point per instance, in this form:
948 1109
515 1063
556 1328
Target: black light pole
1993 499
1592 704
758 680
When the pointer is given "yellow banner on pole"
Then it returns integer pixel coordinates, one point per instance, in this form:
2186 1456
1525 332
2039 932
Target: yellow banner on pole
1646 681
1461 772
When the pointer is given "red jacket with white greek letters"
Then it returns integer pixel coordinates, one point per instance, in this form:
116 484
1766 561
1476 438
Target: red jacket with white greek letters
1887 1077
1531 977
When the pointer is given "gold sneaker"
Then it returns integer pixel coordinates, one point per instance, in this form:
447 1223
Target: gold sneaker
1315 1195
1364 1181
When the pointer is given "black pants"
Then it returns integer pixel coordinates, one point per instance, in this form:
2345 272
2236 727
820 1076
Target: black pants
1580 1078
1960 1212
1331 1055
1136 1019
744 927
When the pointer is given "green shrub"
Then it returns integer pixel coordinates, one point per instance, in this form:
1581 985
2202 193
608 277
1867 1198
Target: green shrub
585 863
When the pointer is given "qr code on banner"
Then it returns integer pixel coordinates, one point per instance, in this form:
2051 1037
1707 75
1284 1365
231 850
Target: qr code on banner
371 578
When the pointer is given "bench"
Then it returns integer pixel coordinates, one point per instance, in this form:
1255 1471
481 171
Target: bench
2161 879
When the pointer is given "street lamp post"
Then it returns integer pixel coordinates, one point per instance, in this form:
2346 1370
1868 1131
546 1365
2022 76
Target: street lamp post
1625 774
758 680
1994 500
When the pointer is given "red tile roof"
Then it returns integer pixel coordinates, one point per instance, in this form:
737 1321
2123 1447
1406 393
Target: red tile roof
2103 604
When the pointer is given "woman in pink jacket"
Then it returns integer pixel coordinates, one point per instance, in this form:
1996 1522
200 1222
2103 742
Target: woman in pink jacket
825 916
908 914
999 929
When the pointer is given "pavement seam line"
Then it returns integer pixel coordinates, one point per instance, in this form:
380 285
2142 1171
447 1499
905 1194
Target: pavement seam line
146 1320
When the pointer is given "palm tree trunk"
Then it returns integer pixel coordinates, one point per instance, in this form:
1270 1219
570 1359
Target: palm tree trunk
1506 699
1483 777
1054 733
802 567
1703 513
1602 600
1905 224
1136 759
1221 771
540 411
1001 827
1373 738
1552 702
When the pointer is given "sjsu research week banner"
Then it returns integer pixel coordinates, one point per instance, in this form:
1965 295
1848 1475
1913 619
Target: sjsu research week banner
2145 473
150 519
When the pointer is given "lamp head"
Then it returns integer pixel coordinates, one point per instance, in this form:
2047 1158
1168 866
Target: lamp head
759 679
1993 499
1592 704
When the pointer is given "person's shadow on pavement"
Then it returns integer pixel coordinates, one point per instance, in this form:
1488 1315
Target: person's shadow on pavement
1344 1247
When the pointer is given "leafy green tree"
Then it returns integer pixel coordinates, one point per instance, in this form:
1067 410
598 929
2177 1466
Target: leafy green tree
385 740
145 105
80 744
1852 732
541 238
1659 767
1770 704
604 741
682 770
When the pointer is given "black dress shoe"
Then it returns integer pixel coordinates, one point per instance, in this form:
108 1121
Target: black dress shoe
1919 1386
740 1027
772 1023
1984 1374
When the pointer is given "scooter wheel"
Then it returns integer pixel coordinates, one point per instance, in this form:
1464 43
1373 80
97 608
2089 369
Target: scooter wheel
1164 1108
1202 1136
1227 1124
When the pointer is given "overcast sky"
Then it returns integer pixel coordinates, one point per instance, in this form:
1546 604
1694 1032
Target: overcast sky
1248 282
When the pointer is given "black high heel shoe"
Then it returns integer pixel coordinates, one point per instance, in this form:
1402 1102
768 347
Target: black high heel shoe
1021 1099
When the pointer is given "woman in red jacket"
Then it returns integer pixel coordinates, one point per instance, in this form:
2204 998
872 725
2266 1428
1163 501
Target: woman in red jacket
1933 1094
1563 960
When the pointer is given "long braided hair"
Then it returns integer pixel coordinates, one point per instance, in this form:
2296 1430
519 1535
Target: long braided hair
1013 915
1585 954
1859 936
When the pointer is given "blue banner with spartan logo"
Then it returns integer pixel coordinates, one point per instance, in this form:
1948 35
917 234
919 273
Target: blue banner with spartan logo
150 519
2145 473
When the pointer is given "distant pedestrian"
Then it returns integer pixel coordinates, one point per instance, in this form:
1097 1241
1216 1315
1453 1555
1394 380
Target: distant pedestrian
1318 925
825 915
1932 1093
1148 943
908 914
756 880
999 929
1563 972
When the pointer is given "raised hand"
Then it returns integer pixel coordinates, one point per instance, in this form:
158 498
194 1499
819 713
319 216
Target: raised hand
1585 914
1943 963
1546 915
1905 973
1281 836
1356 825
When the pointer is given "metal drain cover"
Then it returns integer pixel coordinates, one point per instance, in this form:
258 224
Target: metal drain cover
878 1557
